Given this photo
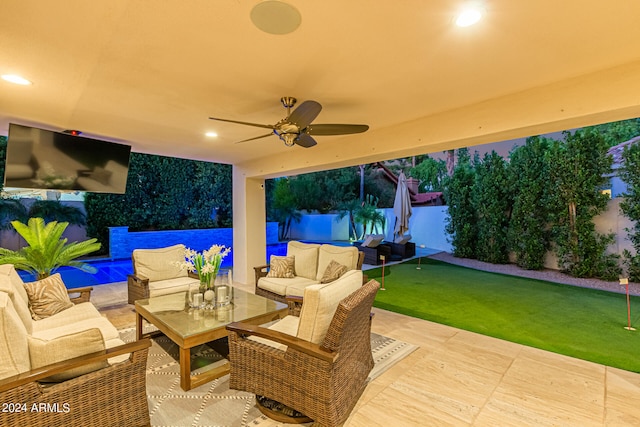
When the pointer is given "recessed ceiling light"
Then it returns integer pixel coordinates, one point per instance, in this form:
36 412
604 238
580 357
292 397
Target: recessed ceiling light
12 78
211 134
469 16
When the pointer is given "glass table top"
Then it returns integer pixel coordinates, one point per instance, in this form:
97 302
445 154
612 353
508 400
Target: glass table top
173 311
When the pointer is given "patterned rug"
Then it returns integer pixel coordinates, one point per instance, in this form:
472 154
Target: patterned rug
213 403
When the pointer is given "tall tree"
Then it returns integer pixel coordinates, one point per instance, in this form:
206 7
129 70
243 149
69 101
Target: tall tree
577 173
529 178
630 207
461 226
431 173
492 201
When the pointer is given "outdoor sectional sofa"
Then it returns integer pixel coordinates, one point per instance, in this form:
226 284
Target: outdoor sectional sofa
73 361
311 261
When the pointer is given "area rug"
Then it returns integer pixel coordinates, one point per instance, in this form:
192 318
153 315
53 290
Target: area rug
213 403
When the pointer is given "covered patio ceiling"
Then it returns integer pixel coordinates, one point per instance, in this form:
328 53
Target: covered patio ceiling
149 74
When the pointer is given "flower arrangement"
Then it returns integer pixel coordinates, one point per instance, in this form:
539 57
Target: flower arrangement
206 264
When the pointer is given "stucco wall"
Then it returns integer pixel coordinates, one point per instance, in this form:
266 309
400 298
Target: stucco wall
427 224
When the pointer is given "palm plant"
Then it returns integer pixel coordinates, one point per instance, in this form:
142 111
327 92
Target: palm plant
47 250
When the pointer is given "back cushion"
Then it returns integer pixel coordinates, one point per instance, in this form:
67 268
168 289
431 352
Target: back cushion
345 255
306 258
159 264
14 351
320 304
14 287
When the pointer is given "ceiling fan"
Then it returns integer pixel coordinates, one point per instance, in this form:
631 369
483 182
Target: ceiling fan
296 128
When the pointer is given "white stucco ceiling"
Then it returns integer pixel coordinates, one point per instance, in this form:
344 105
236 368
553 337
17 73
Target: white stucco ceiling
151 73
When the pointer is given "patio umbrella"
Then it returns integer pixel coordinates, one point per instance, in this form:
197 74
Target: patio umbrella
402 206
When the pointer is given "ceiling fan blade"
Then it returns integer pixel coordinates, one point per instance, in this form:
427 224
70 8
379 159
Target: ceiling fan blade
305 140
244 123
256 137
335 129
304 114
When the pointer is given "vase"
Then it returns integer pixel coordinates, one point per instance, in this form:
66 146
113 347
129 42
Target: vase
195 296
223 289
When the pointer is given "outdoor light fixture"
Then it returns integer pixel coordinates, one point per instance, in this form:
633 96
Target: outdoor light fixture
15 79
469 15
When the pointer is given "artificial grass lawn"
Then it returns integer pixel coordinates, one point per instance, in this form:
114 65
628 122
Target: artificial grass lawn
578 322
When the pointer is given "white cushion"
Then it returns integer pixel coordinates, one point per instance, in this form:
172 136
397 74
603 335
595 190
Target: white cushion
367 241
78 313
281 286
159 264
14 351
20 305
401 240
106 328
17 282
43 352
320 303
288 325
306 258
297 289
170 286
345 255
116 342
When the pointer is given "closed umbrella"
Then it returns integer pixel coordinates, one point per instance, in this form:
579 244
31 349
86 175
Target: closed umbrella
402 206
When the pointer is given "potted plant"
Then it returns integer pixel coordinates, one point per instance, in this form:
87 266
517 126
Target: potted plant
47 250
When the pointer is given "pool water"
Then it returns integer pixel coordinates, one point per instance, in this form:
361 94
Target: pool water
110 271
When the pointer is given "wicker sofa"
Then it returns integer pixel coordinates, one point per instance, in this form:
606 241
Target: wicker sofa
92 377
310 260
157 272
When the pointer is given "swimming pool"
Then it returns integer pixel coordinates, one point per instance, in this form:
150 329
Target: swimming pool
110 271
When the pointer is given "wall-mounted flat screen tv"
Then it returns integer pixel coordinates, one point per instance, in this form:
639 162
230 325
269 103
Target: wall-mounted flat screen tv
46 160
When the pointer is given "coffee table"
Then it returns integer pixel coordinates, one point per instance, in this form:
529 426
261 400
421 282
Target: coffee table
189 328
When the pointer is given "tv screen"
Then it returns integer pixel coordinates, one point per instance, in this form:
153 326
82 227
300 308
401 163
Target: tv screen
46 160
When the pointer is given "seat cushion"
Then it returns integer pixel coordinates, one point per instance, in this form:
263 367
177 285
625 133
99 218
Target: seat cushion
401 240
43 352
106 328
170 286
159 264
75 314
14 351
320 304
281 286
345 255
288 325
306 258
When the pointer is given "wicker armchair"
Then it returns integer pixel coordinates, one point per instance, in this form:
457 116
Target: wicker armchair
323 381
112 396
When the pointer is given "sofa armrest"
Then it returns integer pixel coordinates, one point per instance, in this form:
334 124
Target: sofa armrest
244 330
295 304
137 288
85 294
261 271
56 368
116 393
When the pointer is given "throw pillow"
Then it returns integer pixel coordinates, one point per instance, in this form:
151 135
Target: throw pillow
333 272
46 352
282 267
47 297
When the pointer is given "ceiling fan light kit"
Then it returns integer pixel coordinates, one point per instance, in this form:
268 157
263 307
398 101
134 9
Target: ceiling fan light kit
296 128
